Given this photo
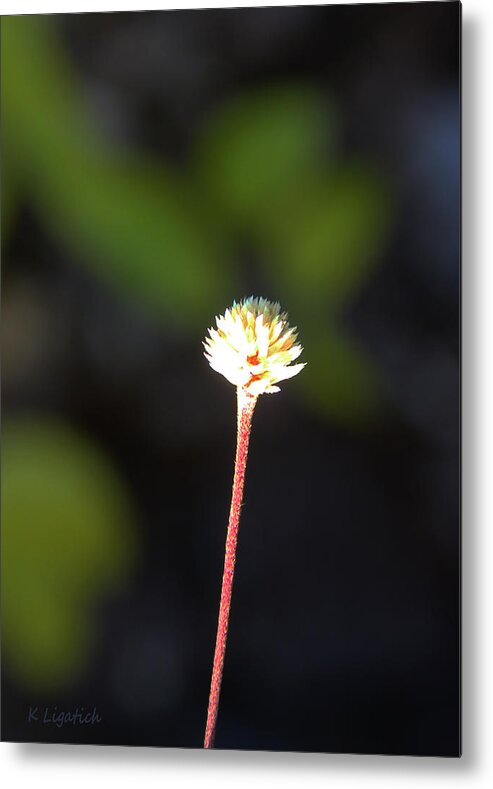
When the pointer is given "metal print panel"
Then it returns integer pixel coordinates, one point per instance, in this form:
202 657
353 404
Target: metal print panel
231 378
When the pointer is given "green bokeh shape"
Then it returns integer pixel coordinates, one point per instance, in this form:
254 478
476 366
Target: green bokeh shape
255 147
67 541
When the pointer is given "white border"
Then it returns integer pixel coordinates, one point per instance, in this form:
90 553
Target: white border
75 6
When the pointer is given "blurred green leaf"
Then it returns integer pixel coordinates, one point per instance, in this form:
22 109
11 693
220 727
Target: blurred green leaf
46 640
10 187
339 381
255 147
129 218
331 235
66 541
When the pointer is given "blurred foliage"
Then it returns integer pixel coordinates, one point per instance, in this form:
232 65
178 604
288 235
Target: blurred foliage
9 185
264 171
127 216
66 542
341 218
255 148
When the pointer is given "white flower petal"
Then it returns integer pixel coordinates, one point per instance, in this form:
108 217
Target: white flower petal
253 346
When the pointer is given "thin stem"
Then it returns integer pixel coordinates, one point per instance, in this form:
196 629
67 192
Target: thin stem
246 405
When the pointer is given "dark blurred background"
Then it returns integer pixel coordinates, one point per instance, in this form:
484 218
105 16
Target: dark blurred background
157 166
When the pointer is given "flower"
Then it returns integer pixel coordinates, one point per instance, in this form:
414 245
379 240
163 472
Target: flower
253 346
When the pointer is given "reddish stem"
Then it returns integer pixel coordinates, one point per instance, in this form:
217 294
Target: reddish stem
246 405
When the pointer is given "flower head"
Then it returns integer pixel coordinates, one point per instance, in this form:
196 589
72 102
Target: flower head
253 346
